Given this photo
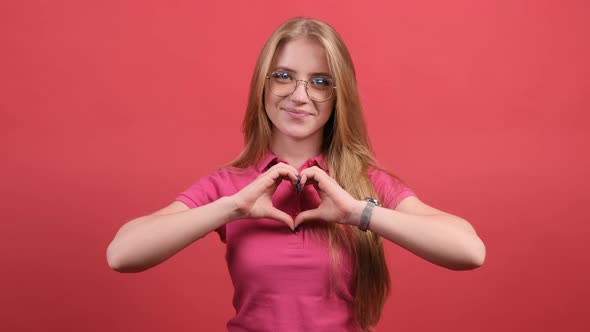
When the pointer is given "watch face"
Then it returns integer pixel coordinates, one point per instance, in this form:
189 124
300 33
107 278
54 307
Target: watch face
373 200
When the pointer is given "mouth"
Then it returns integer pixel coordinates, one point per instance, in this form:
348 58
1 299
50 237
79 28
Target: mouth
296 112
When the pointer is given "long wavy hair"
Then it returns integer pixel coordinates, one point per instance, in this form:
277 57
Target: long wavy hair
346 150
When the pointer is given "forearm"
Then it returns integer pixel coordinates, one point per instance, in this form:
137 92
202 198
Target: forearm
442 239
149 240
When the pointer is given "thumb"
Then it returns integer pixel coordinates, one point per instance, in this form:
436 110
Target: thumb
281 216
313 214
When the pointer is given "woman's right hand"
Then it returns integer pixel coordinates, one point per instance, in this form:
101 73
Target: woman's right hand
255 200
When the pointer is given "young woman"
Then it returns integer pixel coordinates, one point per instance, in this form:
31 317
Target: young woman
304 207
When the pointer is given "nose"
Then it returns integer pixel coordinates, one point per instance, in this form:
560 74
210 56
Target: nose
300 93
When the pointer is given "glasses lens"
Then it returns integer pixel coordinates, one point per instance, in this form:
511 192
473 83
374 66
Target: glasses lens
320 89
281 84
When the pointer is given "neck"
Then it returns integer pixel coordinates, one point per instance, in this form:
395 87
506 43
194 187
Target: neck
295 151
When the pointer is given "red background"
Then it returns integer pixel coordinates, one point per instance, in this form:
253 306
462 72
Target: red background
110 109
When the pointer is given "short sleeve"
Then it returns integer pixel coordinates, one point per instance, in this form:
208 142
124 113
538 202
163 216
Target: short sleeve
202 192
390 189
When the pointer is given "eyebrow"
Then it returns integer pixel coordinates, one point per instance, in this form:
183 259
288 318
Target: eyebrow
287 69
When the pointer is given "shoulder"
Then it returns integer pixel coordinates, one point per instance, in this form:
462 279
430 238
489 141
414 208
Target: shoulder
226 175
225 181
382 177
390 188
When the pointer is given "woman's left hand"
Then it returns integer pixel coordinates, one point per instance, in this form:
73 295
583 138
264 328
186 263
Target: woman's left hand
336 204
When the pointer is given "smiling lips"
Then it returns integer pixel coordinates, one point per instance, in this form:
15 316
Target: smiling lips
296 112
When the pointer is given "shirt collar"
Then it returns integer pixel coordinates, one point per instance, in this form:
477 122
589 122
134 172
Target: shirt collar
269 159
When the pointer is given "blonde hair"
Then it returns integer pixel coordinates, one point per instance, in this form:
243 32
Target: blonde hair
346 150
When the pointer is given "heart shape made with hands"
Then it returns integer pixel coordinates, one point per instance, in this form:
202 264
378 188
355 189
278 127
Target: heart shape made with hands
335 203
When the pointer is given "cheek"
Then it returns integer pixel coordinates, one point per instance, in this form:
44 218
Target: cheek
267 102
326 110
270 101
270 108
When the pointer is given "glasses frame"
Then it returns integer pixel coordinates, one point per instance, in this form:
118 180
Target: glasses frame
332 91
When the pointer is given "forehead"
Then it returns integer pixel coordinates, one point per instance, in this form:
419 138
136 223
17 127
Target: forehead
302 55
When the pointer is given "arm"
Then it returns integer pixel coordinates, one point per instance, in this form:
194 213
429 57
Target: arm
436 236
149 240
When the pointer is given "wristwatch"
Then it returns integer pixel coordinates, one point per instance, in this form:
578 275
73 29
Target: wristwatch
366 215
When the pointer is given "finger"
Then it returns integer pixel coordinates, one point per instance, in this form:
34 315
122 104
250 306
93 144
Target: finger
282 216
283 172
273 177
307 215
309 177
284 166
306 178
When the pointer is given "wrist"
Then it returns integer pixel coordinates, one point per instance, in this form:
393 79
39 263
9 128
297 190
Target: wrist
367 213
354 218
230 204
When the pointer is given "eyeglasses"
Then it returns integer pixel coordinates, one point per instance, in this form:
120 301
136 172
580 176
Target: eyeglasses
318 89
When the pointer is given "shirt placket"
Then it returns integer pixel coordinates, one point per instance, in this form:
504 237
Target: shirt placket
296 238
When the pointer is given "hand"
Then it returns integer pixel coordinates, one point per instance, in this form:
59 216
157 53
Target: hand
336 204
255 200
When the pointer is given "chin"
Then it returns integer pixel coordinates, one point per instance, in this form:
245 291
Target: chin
295 134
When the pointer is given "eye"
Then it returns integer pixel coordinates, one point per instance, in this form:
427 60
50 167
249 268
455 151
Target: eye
321 82
281 76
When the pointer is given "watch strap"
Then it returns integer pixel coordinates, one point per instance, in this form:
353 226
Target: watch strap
367 212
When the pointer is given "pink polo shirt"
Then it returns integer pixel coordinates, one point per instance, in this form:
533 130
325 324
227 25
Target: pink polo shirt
282 278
